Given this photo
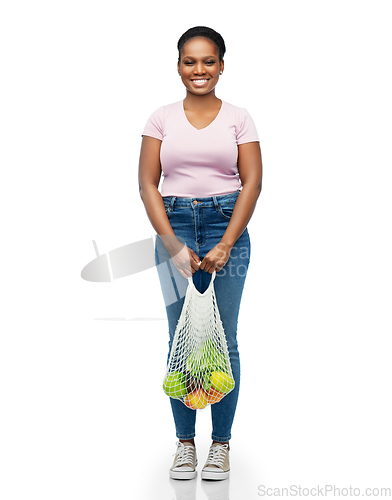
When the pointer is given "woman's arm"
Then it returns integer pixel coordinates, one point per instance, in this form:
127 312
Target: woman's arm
250 170
149 176
183 257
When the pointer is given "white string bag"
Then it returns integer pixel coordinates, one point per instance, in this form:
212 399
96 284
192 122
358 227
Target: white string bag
199 370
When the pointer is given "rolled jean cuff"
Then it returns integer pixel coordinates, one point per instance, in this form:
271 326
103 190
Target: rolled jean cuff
220 439
186 436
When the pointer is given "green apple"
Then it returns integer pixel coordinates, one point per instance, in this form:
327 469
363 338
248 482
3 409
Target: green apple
174 385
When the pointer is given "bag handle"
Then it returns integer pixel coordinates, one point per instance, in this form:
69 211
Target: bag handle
212 277
196 291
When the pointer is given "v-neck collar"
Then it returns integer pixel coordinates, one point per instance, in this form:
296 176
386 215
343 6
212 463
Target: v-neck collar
204 128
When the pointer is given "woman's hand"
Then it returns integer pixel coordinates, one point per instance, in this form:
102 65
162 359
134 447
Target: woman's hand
216 258
186 261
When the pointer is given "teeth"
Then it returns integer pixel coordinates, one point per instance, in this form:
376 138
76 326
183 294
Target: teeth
200 81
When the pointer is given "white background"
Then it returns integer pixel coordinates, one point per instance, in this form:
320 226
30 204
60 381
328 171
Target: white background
83 413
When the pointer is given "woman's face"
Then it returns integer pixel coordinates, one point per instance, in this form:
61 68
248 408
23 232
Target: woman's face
199 66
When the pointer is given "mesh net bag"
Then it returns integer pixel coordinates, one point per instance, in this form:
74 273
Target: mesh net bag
199 371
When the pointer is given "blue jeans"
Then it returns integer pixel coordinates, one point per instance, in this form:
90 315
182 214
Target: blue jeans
201 226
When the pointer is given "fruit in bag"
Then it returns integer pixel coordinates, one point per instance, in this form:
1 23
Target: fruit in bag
191 383
222 382
174 385
199 352
206 358
214 396
197 399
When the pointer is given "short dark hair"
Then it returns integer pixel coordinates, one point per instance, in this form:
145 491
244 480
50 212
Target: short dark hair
205 32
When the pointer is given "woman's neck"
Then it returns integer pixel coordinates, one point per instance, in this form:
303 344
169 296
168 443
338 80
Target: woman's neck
201 102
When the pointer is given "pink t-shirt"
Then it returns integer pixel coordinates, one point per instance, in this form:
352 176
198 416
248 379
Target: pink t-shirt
200 163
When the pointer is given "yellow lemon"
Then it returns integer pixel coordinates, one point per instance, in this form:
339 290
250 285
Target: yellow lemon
222 382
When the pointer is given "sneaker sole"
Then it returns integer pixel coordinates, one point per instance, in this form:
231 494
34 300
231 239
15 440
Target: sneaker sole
215 475
182 475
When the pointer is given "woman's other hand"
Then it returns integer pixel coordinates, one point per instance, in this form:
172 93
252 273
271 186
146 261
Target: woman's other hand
216 258
185 260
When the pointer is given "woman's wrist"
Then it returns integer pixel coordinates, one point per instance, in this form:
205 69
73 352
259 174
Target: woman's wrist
225 244
171 243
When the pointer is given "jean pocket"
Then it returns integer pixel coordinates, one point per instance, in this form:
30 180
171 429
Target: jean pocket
168 209
226 210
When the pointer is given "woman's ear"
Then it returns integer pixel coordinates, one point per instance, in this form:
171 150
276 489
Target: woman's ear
178 68
222 65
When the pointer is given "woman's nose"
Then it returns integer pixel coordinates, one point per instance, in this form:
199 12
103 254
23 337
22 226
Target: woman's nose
199 68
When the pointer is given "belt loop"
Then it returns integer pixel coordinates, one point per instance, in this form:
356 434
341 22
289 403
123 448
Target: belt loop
216 203
172 201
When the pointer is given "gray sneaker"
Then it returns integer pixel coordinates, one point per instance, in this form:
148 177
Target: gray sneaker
185 461
217 465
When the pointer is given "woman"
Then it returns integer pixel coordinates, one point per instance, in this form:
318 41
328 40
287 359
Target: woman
209 153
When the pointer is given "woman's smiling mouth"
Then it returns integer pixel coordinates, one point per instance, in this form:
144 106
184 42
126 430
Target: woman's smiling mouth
199 82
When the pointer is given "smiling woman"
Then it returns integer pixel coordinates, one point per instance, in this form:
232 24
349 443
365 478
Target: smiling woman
208 153
199 65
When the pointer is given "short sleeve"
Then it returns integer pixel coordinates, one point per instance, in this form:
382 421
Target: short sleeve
246 128
154 125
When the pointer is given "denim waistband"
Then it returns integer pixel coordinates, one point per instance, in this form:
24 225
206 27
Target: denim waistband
208 201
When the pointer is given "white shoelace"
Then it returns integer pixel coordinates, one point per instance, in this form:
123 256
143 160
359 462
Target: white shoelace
185 455
216 455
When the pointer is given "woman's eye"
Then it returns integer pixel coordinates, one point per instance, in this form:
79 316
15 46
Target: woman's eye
209 63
